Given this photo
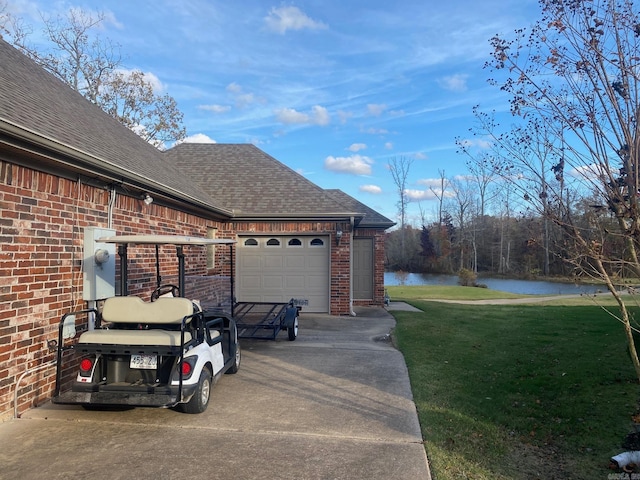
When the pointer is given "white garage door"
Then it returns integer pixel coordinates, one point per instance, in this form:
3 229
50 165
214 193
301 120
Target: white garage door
277 269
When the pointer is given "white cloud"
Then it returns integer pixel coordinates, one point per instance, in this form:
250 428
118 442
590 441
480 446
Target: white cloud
435 183
198 138
244 100
356 147
454 83
234 88
375 189
318 116
150 78
376 109
589 172
355 164
420 156
215 108
388 146
281 19
416 195
289 116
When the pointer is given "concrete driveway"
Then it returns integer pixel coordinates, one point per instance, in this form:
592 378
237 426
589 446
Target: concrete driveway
334 404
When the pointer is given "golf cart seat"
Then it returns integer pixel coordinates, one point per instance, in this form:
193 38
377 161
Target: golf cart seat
161 320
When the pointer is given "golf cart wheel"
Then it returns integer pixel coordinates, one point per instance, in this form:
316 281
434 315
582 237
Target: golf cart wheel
236 360
200 399
292 331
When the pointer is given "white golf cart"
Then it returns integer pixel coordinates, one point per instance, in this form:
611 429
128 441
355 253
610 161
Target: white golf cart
168 352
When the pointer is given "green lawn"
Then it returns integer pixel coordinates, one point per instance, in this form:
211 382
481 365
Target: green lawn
516 391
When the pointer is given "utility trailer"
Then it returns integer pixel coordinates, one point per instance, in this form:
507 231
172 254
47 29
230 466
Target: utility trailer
168 352
266 319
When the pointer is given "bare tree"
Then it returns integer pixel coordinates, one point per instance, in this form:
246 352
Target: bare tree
399 168
462 203
576 73
92 65
440 194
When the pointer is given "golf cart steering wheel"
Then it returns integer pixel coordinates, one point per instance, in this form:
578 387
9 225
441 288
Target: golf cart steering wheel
163 290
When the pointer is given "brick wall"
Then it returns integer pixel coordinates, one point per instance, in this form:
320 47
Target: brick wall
42 218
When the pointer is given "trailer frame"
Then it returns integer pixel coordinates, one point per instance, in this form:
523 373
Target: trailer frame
265 320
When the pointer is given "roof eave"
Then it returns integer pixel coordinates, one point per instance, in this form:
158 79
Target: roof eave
92 165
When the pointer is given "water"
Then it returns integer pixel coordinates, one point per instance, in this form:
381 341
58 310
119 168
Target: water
523 287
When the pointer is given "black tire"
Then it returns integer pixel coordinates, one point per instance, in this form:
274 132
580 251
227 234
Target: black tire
292 331
200 399
236 361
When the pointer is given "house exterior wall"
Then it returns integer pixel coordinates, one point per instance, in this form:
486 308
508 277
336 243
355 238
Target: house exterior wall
378 236
340 257
42 218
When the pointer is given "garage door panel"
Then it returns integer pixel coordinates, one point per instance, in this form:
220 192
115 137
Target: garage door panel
251 281
295 261
316 282
272 274
293 282
251 261
316 261
273 282
272 260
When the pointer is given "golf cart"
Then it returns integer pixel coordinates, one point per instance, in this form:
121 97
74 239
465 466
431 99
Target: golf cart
167 352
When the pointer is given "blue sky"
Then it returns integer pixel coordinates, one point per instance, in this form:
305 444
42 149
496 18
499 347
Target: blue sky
333 89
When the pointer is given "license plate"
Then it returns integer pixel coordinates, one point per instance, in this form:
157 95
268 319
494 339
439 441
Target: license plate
144 362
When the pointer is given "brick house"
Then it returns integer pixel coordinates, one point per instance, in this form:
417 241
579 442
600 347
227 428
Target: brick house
67 167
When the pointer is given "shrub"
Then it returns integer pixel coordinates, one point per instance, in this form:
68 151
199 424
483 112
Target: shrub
467 278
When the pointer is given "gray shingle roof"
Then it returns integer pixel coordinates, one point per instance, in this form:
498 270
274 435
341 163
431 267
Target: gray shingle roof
34 102
370 218
253 183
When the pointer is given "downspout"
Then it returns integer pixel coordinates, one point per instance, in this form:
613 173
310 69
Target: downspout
351 312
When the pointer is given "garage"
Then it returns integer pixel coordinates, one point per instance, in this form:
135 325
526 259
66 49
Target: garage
278 268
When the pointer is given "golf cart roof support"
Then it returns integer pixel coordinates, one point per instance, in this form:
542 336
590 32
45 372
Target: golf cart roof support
124 241
124 281
181 282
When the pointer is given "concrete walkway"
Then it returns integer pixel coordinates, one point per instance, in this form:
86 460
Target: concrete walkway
334 404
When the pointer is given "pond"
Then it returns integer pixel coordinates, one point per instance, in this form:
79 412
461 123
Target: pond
524 287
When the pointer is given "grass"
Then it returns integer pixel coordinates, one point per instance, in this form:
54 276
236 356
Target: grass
516 391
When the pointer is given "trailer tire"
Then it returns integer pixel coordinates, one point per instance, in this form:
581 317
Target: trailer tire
235 366
292 330
200 399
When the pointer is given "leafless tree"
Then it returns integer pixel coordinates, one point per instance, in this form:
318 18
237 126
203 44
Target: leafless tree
575 73
399 168
92 65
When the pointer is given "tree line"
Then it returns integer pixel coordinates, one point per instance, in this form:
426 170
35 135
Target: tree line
568 163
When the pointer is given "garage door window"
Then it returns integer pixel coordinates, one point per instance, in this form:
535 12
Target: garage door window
294 242
250 242
316 242
273 242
